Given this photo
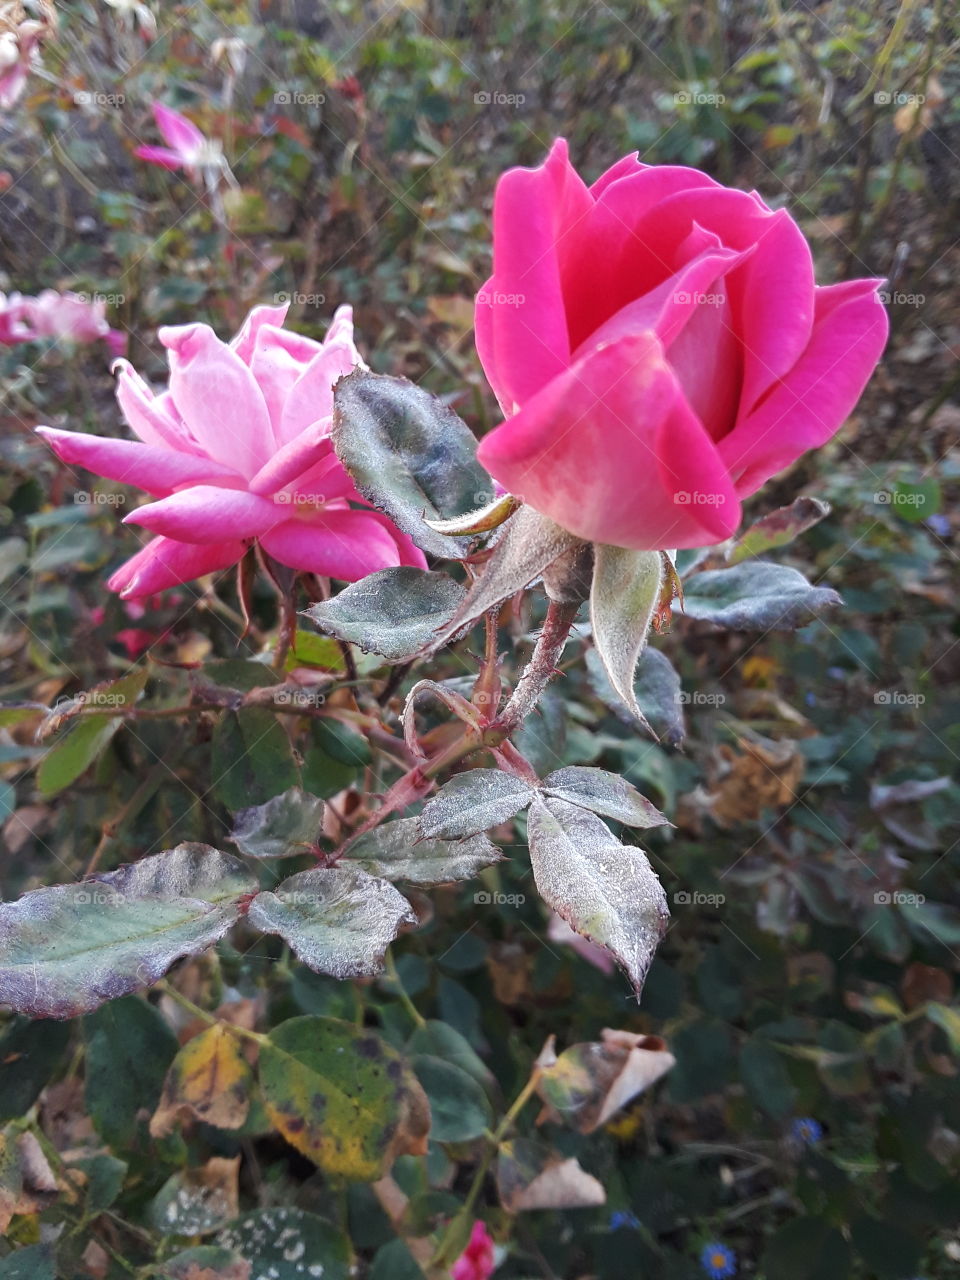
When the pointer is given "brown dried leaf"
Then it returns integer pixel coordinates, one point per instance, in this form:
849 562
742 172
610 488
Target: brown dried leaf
588 1083
530 1175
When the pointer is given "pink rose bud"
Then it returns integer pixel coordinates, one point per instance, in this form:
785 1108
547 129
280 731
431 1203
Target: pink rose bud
659 348
236 450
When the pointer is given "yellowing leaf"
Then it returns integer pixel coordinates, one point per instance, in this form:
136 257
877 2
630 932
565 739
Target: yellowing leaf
209 1078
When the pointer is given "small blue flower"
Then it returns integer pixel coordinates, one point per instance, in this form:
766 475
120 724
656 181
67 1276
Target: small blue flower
623 1218
938 524
718 1261
807 1131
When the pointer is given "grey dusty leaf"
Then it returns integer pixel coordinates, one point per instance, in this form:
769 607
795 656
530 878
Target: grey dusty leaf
625 592
604 793
605 890
275 829
67 949
527 544
657 688
474 801
393 612
755 595
396 851
409 454
338 920
778 528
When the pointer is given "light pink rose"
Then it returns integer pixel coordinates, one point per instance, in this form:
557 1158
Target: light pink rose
187 147
237 450
19 55
660 349
56 315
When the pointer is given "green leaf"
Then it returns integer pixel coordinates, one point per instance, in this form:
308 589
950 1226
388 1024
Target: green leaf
474 801
778 528
409 454
30 1053
393 612
441 1040
659 695
526 545
459 1109
941 1015
394 1261
338 920
397 851
193 1202
311 650
66 949
755 595
279 828
342 1096
36 1262
252 759
807 1249
605 890
129 1047
604 793
889 1252
915 502
88 735
624 596
288 1244
105 1175
766 1078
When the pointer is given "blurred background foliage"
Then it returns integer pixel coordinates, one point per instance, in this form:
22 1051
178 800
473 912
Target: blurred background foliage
811 966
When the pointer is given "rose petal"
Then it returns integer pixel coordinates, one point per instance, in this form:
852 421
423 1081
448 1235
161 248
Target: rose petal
521 326
611 451
155 469
336 544
246 336
178 132
163 563
152 417
808 406
206 514
218 398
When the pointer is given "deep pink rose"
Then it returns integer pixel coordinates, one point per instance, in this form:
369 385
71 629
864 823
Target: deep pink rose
660 349
477 1260
237 450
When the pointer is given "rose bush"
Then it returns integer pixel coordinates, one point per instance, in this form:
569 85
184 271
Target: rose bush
237 450
660 349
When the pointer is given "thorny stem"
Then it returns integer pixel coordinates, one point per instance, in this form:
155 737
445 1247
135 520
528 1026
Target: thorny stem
542 666
210 1019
